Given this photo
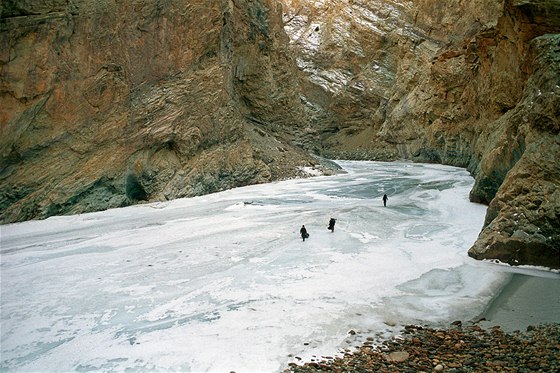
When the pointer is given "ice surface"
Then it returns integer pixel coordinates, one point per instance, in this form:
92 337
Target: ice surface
224 282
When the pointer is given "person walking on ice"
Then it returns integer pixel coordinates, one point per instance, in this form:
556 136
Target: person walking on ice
331 224
385 198
303 232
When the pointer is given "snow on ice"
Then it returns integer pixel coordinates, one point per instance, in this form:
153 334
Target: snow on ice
224 282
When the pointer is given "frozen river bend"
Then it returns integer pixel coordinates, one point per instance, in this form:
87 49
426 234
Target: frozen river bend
224 282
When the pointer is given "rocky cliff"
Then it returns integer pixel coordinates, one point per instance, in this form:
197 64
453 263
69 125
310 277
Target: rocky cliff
469 83
107 103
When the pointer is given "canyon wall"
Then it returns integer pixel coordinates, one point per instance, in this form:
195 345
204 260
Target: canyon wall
474 84
107 103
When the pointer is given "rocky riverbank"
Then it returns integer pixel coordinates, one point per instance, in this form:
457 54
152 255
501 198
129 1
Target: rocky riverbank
455 349
494 343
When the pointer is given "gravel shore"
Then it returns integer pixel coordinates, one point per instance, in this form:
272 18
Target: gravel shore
455 349
503 339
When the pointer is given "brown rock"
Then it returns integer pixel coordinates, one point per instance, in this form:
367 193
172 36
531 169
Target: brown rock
471 85
106 104
398 356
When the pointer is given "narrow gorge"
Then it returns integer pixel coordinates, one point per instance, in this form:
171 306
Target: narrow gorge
109 103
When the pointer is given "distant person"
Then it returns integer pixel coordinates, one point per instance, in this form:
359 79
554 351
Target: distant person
331 224
385 198
303 232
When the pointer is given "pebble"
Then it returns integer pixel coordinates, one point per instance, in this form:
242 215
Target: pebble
470 349
398 356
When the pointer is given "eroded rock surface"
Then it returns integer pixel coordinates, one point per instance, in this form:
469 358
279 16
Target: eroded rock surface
107 103
474 84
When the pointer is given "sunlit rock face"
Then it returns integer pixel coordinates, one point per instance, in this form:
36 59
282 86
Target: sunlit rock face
108 103
473 84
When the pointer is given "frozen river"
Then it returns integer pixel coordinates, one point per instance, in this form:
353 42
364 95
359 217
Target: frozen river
224 282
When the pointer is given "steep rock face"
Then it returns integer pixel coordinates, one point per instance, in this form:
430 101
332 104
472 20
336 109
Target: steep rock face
472 84
523 220
106 103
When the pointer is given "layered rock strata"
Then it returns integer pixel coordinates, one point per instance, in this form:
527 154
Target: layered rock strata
109 103
473 84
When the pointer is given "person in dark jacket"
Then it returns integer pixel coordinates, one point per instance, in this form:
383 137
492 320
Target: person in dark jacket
331 224
385 198
303 232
